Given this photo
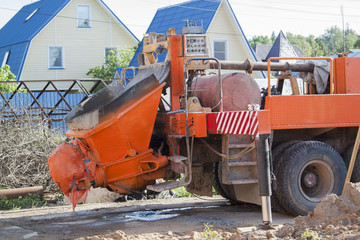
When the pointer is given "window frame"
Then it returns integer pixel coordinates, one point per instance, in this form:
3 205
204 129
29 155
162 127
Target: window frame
62 57
78 18
5 58
226 52
110 48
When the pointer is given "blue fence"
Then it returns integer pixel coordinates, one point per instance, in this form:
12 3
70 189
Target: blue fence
23 105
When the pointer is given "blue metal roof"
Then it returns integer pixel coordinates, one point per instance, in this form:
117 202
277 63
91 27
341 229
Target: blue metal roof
106 6
175 16
16 35
16 57
18 30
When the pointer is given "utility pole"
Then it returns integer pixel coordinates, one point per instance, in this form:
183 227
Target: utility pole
343 25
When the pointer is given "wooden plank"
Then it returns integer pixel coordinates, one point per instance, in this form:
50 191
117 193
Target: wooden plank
352 159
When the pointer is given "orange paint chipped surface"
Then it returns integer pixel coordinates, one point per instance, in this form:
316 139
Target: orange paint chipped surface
113 154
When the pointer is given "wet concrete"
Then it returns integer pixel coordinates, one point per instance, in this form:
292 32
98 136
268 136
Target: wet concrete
137 217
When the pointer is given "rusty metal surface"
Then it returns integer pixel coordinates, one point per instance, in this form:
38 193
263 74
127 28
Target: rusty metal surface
21 192
262 66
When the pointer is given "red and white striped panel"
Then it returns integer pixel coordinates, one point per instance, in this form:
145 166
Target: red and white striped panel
243 122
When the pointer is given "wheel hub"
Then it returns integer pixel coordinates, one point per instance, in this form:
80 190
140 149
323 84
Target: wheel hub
310 179
316 179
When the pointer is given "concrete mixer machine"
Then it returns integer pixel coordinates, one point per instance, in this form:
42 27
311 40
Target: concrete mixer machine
186 123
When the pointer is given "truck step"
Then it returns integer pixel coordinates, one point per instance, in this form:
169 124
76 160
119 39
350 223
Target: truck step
240 145
177 136
177 158
242 164
243 181
165 186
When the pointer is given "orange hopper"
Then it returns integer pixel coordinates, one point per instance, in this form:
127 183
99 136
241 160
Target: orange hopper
112 132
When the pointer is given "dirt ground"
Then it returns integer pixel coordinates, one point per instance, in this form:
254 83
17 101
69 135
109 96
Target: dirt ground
186 218
179 218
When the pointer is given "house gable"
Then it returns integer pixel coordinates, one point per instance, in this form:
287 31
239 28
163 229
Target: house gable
226 27
54 23
116 19
219 22
83 47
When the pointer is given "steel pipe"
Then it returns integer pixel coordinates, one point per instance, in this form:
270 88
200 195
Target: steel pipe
23 192
262 66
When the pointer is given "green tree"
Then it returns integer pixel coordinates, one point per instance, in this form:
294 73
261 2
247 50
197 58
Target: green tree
357 43
350 38
115 58
301 42
309 45
316 49
7 76
259 40
273 37
332 40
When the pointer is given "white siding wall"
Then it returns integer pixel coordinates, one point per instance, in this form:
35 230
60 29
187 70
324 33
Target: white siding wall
83 47
224 27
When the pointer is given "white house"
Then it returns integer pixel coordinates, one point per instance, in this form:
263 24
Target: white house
61 39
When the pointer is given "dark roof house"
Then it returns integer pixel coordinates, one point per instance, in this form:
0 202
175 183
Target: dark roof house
281 48
262 50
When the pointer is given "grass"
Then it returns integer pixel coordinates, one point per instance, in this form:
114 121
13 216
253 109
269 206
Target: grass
182 193
209 232
309 235
31 201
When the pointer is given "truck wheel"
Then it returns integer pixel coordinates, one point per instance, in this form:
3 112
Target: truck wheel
309 171
276 155
355 177
220 188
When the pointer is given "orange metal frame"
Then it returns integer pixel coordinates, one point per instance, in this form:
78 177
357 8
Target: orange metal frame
196 123
119 146
304 58
177 70
309 111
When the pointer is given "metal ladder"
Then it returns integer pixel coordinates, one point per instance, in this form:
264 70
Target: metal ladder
242 168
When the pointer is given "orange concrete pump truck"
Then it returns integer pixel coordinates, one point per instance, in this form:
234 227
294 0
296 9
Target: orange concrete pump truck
186 123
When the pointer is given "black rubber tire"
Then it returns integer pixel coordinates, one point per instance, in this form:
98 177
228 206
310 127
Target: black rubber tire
217 180
320 164
224 190
355 176
276 155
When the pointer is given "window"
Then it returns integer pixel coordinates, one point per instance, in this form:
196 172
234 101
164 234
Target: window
83 16
109 51
220 49
31 14
56 57
6 58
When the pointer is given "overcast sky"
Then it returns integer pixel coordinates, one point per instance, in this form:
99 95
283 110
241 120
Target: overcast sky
256 17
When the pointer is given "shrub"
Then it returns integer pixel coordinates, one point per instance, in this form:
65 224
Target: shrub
24 150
